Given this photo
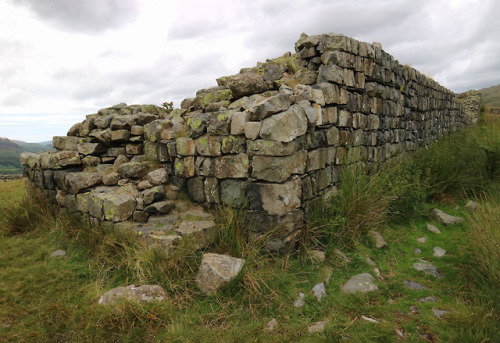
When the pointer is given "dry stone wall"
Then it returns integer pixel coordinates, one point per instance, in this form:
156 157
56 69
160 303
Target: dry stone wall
272 138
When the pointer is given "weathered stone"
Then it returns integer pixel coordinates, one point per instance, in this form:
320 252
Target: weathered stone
317 326
233 145
144 184
74 130
300 302
153 194
137 130
119 161
246 84
285 126
208 146
133 170
217 270
233 192
421 240
433 228
119 207
260 222
377 239
269 106
238 122
414 285
111 179
69 143
134 149
444 218
272 148
91 148
185 146
275 199
201 231
219 124
439 313
212 193
152 130
196 189
120 135
360 283
331 72
58 253
272 72
439 252
427 268
319 291
81 180
232 166
163 207
158 176
278 169
91 160
252 129
146 294
313 113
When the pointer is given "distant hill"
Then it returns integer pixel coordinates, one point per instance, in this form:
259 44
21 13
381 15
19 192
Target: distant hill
491 96
10 151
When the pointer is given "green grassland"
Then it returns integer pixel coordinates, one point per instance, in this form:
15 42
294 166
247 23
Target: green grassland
491 96
43 299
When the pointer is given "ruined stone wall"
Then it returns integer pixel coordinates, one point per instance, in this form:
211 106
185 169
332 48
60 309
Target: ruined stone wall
272 138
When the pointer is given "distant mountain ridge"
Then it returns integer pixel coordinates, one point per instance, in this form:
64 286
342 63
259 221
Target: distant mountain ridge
491 96
10 151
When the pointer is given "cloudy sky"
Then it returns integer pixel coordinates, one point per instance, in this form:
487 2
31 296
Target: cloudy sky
63 59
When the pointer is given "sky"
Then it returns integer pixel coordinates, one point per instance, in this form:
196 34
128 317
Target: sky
63 59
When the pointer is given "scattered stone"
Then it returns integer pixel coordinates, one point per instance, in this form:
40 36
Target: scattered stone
370 261
429 299
271 325
317 327
319 291
471 206
399 333
360 283
146 294
439 252
433 228
414 310
342 255
317 255
368 319
378 239
414 285
158 176
217 270
376 271
421 240
427 268
417 251
444 218
58 253
439 313
300 302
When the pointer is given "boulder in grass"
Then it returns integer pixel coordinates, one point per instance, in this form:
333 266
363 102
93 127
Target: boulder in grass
145 294
444 218
217 270
360 283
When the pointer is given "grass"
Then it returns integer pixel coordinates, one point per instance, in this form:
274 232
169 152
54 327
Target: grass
45 299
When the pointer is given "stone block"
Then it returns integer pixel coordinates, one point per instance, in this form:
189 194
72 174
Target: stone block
208 146
196 189
185 146
134 149
317 159
252 129
275 199
233 192
66 142
269 106
81 180
212 192
273 148
217 270
285 126
233 145
120 135
232 166
278 169
238 122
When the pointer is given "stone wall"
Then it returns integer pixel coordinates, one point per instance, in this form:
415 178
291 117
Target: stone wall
272 138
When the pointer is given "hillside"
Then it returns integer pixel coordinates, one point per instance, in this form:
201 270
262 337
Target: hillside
10 151
491 96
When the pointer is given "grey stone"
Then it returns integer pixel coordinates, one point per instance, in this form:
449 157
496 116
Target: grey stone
317 255
427 268
145 293
272 148
378 239
275 199
120 160
360 283
429 299
201 231
275 104
82 180
154 194
233 192
418 251
300 302
421 240
58 253
111 179
119 207
246 84
144 185
471 206
238 122
217 270
232 166
162 207
252 129
317 327
285 126
444 218
158 176
439 313
208 146
439 252
271 325
319 291
278 169
414 285
133 170
433 228
272 72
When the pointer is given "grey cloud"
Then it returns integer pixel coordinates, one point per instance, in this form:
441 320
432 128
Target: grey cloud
87 16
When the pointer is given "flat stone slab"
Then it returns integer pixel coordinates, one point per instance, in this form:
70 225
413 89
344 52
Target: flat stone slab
145 293
429 299
427 268
317 327
421 240
58 253
414 285
444 218
300 302
319 291
377 238
439 313
360 283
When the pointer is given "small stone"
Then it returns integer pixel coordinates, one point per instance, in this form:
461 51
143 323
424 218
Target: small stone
111 179
216 270
317 255
439 313
252 129
444 218
433 228
439 252
368 319
370 261
146 294
360 283
58 253
158 176
271 325
414 310
317 327
421 240
414 285
427 268
143 185
120 160
378 239
471 206
319 291
300 300
429 299
418 251
399 333
376 271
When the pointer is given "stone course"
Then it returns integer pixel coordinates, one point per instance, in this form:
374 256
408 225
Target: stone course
272 137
